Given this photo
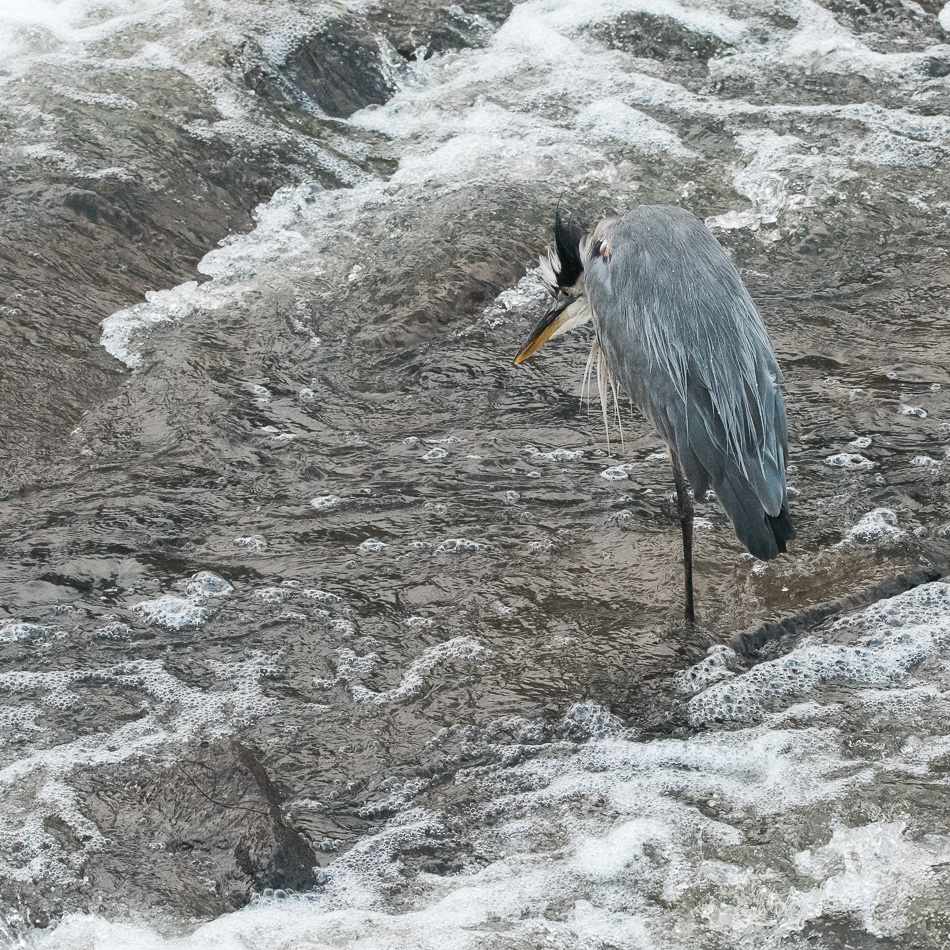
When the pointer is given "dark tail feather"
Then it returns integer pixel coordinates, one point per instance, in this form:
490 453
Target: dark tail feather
765 536
782 528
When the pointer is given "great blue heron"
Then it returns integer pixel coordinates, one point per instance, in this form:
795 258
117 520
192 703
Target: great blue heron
677 329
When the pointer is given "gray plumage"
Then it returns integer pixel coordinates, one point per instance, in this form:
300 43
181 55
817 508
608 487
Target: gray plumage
681 334
677 329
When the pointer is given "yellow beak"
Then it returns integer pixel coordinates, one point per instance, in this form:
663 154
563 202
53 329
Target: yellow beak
559 319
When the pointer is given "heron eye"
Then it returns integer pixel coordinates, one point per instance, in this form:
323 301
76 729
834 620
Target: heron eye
601 250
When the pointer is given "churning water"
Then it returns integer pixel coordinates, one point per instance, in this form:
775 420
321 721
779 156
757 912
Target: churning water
323 626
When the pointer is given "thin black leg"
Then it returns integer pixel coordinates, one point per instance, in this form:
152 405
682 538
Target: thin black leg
684 505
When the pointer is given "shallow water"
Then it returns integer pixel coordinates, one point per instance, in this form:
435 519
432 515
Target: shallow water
300 497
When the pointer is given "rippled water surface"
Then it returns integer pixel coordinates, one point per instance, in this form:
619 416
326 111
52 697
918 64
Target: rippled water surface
299 571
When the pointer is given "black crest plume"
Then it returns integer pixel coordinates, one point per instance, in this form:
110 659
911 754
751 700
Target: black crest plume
567 239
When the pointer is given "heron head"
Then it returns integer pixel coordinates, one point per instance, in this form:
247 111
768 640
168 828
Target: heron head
562 273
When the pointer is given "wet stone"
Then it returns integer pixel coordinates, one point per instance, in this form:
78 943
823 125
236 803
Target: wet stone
339 69
419 31
646 36
343 67
889 25
203 835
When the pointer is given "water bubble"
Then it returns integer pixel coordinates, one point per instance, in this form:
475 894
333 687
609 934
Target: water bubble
849 460
321 596
876 527
270 595
207 584
253 542
587 720
12 630
452 545
171 611
373 545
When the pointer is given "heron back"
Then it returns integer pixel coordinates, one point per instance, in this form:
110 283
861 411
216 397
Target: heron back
681 334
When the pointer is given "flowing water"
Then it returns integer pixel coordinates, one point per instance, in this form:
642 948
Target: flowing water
291 513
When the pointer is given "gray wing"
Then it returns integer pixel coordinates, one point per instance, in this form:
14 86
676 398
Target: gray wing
683 337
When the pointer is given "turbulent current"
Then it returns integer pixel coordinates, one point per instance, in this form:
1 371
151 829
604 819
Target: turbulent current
322 625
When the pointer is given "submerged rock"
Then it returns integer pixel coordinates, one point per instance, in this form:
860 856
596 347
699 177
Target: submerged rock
662 38
202 835
349 63
339 69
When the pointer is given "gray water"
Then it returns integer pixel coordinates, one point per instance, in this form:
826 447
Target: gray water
300 572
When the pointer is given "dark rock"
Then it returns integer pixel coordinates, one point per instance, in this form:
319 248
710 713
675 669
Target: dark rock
200 836
339 69
661 38
422 30
343 68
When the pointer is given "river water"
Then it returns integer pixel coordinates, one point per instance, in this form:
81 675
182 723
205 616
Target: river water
291 504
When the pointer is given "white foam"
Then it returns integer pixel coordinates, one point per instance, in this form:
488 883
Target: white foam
884 642
459 545
613 119
14 630
859 864
119 329
615 473
414 679
373 546
270 595
172 611
877 527
849 460
734 221
589 720
640 844
252 542
207 584
169 610
321 596
555 455
718 665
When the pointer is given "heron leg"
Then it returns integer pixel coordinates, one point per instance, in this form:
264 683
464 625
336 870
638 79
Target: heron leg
684 505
